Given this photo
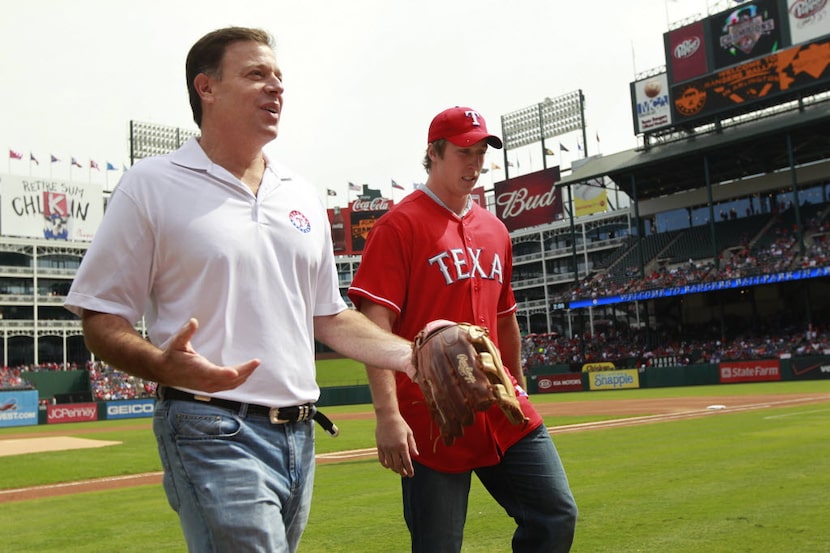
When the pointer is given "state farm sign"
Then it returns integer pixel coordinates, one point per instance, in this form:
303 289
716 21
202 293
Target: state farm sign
529 200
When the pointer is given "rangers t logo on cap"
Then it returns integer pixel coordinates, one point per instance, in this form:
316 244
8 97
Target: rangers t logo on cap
462 126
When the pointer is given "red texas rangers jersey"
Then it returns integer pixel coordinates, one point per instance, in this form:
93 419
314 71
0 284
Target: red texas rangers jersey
424 262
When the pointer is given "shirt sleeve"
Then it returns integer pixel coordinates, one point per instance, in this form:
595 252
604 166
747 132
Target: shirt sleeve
115 274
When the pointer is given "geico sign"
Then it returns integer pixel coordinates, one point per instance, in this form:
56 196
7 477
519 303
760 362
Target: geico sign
130 409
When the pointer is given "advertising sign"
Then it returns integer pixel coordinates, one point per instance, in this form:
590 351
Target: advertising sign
749 371
808 19
72 412
590 197
350 225
614 380
365 210
810 368
652 107
18 408
45 208
551 383
777 76
130 409
747 31
686 52
529 200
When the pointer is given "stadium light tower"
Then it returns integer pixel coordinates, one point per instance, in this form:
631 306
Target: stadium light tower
548 118
150 139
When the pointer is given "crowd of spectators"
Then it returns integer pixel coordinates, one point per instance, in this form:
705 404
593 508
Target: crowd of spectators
628 347
10 379
780 253
111 384
106 383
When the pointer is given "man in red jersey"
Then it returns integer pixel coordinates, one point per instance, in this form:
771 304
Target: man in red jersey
439 255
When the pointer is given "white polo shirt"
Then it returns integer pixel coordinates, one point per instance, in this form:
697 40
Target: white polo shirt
182 238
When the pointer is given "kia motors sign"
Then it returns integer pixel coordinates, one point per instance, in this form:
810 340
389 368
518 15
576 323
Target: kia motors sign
529 200
551 383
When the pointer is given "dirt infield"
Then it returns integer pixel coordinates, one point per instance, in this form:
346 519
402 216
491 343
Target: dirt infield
639 411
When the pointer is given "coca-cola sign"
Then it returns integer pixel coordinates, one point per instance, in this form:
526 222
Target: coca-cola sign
529 200
371 204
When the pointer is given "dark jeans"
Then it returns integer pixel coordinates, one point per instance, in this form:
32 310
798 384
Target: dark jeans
529 483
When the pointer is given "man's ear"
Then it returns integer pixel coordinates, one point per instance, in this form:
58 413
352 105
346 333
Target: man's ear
203 85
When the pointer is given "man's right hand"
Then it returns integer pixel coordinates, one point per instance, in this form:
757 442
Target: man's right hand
185 368
114 340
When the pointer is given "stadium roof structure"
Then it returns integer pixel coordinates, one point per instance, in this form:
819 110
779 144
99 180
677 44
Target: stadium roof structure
747 151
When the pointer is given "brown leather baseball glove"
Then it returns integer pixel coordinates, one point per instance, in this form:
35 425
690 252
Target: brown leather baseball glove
459 370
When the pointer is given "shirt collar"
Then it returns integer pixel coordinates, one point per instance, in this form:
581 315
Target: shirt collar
467 206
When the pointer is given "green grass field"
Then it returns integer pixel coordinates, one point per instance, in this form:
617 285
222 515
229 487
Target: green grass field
746 481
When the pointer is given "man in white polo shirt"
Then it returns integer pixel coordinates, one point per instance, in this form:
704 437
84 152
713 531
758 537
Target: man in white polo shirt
228 257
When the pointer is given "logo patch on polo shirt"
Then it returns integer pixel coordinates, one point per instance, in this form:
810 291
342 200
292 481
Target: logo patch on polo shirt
300 221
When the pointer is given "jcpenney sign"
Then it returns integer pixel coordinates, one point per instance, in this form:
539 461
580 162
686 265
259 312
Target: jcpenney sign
72 412
529 200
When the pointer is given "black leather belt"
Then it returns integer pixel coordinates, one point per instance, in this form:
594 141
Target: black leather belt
277 415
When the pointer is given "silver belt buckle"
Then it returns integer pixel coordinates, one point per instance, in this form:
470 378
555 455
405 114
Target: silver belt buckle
274 416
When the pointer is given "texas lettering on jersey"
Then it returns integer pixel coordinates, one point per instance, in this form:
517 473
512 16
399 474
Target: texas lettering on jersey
462 263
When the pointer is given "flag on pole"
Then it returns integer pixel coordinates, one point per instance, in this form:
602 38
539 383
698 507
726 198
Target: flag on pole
53 158
111 167
15 155
75 163
354 188
93 165
331 192
396 185
549 152
562 148
33 158
597 136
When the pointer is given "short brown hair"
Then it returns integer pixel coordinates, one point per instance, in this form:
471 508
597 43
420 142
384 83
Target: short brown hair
206 57
440 146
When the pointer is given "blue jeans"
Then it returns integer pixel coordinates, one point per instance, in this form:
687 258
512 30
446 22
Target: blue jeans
238 483
529 483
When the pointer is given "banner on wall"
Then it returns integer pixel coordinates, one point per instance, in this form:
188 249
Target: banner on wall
614 380
47 208
749 371
18 408
72 412
552 383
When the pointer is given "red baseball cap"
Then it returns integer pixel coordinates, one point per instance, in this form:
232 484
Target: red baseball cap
462 127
